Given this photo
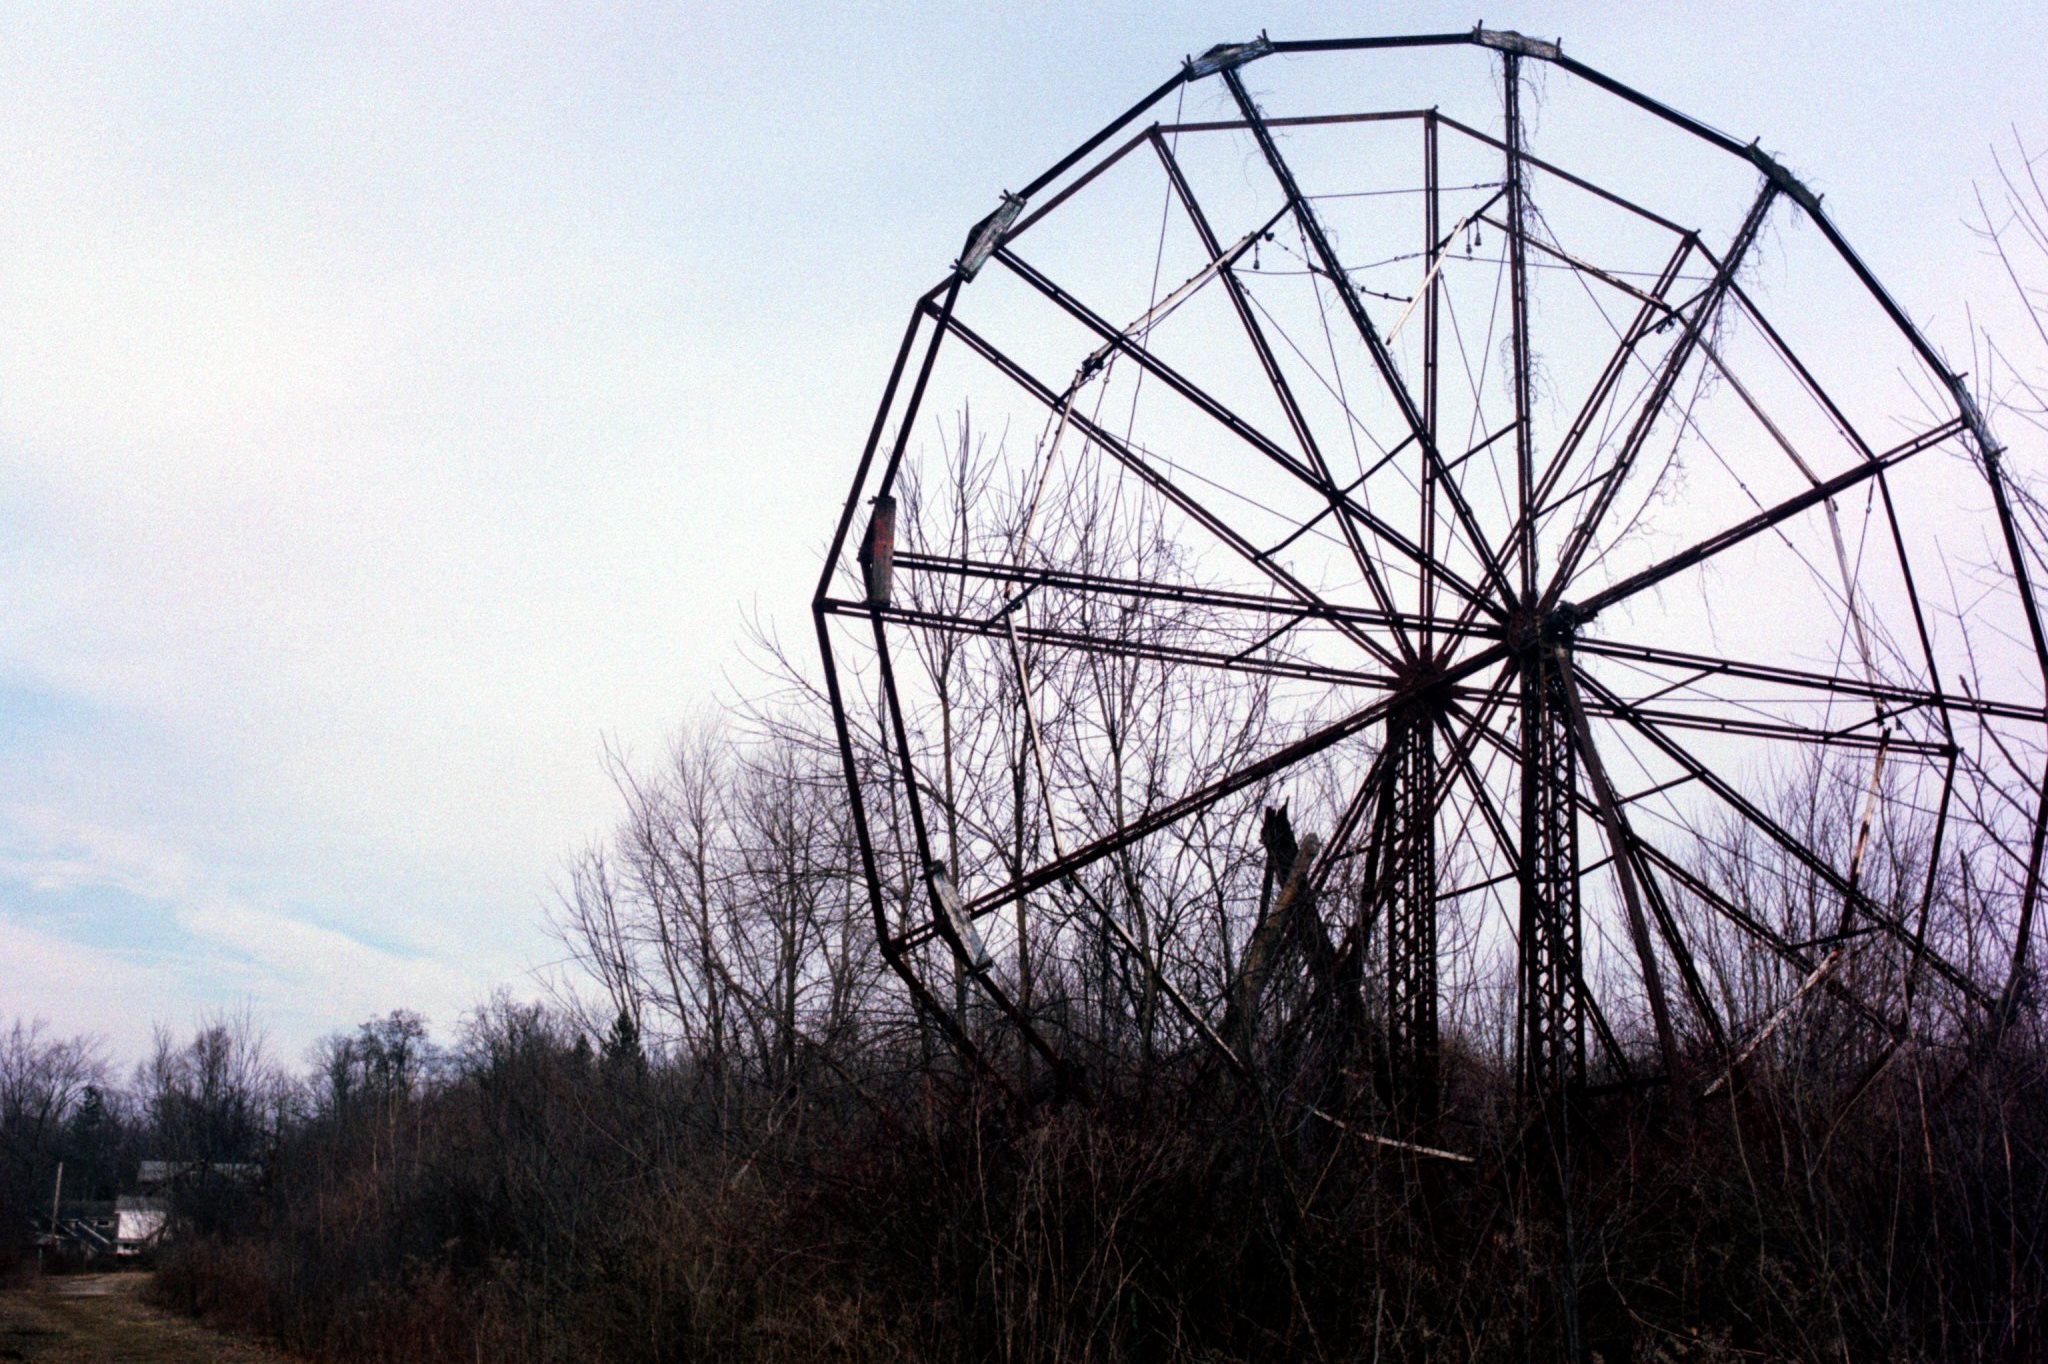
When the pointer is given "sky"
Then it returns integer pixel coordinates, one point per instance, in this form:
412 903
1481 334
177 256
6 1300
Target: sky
400 404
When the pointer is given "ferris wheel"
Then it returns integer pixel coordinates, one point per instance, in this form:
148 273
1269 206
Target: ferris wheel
1503 548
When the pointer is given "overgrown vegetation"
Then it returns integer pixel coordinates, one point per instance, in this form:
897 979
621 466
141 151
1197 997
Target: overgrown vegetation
543 1198
535 1193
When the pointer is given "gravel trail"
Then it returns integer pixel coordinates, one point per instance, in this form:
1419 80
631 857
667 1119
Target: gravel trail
102 1319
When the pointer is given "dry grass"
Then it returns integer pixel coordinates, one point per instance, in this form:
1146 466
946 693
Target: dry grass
105 1319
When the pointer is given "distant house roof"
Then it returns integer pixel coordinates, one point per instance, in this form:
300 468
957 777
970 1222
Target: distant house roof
159 1172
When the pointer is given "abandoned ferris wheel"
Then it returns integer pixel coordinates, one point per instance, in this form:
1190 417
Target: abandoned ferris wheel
1526 514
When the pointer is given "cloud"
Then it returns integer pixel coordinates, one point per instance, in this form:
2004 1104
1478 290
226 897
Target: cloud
49 849
81 989
319 978
301 980
108 931
348 500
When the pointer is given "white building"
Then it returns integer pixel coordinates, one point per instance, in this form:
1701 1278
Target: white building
139 1222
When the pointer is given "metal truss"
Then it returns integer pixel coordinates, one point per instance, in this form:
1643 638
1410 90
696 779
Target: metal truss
1415 538
1552 1035
1403 888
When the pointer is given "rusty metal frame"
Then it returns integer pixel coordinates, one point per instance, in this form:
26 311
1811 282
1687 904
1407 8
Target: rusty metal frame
1420 669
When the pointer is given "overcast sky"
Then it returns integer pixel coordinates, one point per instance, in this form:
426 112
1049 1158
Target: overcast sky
394 407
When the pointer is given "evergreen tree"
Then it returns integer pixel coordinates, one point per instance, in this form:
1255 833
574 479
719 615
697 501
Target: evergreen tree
622 1044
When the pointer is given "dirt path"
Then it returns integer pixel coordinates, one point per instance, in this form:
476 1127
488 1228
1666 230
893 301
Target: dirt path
102 1319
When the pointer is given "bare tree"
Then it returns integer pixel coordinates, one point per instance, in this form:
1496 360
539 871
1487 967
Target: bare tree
44 1079
216 1099
724 917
